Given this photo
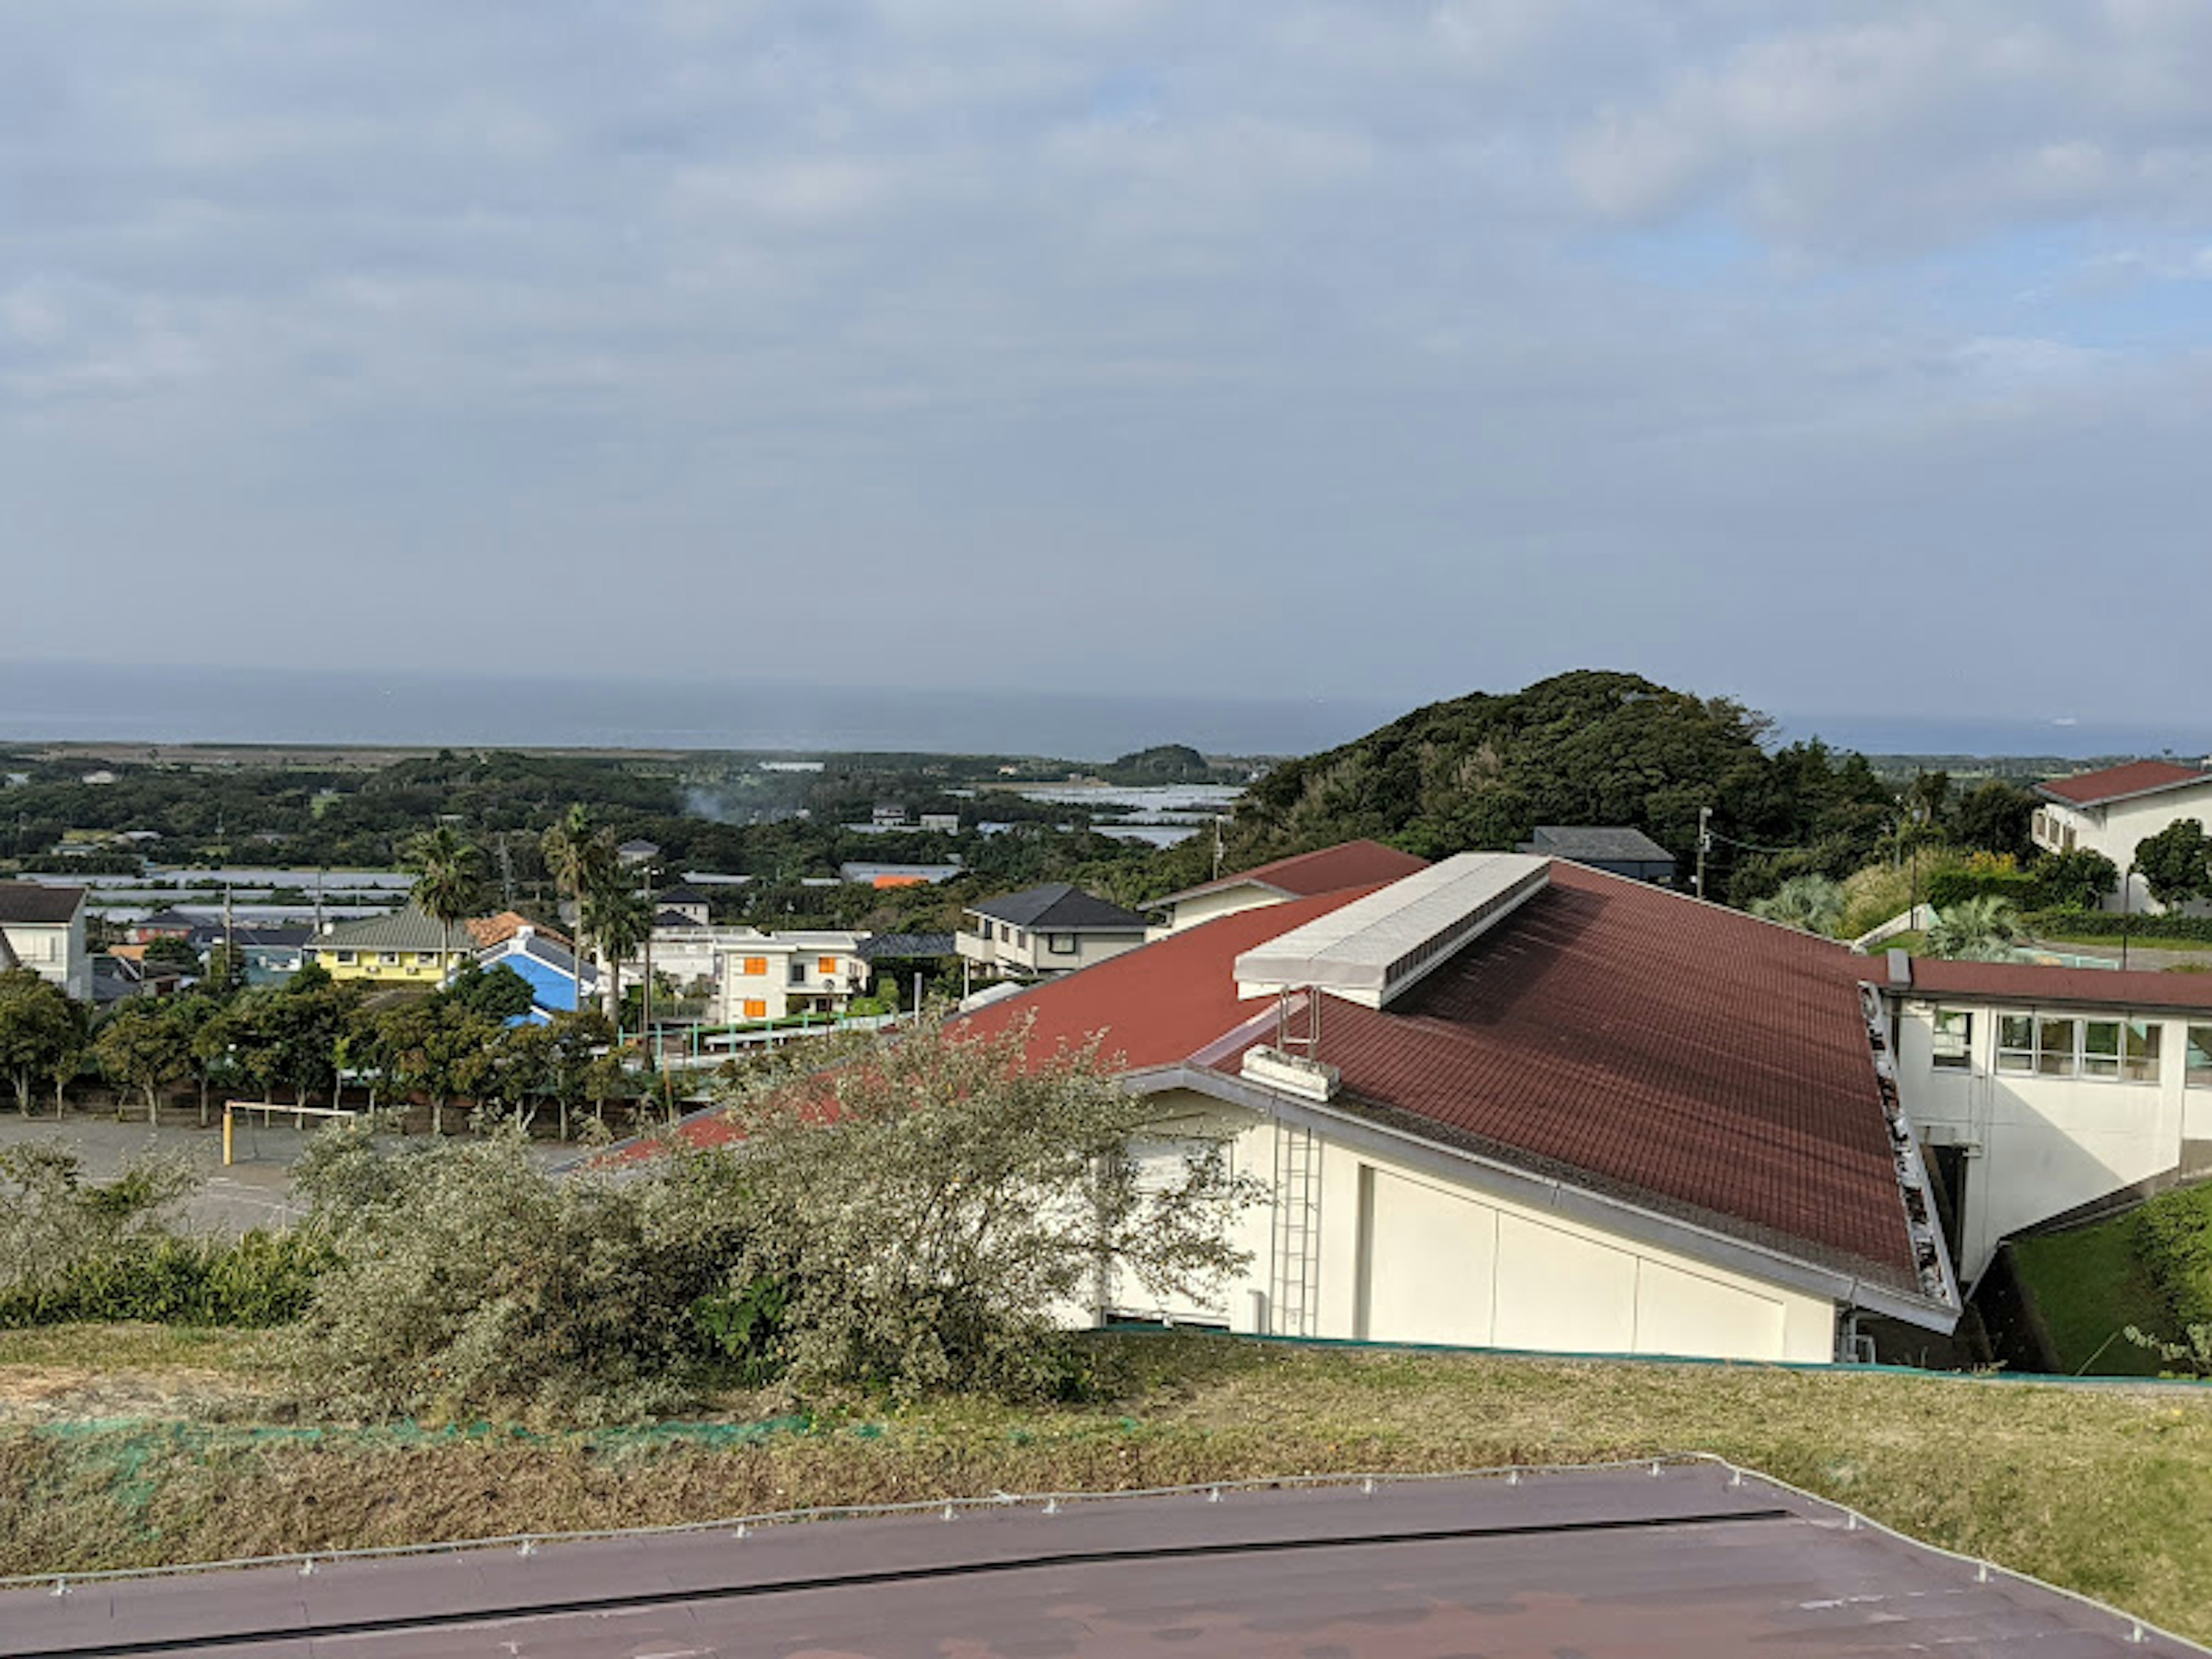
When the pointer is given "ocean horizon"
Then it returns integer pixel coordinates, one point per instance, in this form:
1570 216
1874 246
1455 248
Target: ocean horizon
76 702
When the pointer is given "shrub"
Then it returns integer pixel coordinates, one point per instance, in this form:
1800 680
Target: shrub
471 1281
935 1212
1956 884
2174 1238
2108 923
2077 880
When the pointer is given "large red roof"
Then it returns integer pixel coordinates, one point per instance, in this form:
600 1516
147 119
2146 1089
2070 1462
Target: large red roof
2117 782
1353 864
1686 1057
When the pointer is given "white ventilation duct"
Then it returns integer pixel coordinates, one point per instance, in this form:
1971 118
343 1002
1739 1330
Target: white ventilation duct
1375 949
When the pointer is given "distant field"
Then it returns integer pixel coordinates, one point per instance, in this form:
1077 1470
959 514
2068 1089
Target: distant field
127 1448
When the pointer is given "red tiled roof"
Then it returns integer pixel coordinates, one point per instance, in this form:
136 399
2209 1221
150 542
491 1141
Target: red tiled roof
1678 1055
488 931
2117 782
1354 864
2030 986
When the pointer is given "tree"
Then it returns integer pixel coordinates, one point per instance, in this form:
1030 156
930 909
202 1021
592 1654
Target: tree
1995 818
582 861
35 1029
449 876
143 1045
932 1207
2077 880
2176 863
1978 929
1812 904
619 920
174 951
496 993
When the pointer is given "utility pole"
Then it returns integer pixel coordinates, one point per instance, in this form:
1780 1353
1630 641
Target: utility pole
1705 840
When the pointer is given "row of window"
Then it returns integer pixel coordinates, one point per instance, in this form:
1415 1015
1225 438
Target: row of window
757 968
2052 1045
389 958
1058 944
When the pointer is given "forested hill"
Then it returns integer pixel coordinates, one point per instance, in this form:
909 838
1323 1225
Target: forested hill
1587 747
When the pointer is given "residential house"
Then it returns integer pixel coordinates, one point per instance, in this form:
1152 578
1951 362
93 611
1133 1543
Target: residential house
2110 812
2044 1094
266 955
900 875
943 823
42 928
888 815
1617 849
638 851
400 947
1332 869
558 984
1053 929
744 975
484 931
681 907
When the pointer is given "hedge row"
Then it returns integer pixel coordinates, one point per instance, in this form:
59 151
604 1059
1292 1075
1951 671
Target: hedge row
2105 924
2175 1239
1948 887
262 1279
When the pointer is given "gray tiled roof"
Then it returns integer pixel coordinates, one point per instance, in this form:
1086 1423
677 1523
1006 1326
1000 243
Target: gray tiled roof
32 904
408 929
1058 904
1584 841
880 946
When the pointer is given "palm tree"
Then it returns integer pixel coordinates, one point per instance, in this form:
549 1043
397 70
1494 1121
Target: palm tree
449 878
1812 904
583 860
620 919
1977 929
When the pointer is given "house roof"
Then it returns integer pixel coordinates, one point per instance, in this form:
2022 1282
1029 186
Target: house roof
883 946
553 952
2121 783
1354 864
34 904
682 896
488 931
1674 1054
1059 905
407 929
2029 985
1592 842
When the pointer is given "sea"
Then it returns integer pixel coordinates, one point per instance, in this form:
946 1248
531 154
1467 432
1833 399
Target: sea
82 702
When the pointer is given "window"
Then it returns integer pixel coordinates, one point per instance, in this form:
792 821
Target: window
2139 1057
987 929
756 1008
428 958
1060 944
1954 1038
2196 1069
826 965
389 958
798 972
2056 1048
757 967
345 959
2127 1050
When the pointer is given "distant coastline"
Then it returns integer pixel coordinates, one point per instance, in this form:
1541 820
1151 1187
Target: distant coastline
69 702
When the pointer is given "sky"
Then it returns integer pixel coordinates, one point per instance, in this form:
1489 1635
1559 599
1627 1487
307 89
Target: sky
1844 358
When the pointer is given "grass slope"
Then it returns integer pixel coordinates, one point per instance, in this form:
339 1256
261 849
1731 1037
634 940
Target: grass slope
2089 1284
2101 1490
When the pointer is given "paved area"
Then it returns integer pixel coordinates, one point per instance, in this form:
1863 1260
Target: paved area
1591 1562
255 1191
2148 958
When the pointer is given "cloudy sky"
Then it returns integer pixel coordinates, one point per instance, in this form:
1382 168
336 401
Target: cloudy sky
1837 356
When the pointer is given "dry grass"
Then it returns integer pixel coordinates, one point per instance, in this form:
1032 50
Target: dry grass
2102 1490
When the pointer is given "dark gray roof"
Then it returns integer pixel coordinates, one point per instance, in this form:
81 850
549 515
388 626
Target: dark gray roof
1584 841
674 919
409 929
1060 905
881 946
34 904
205 935
683 895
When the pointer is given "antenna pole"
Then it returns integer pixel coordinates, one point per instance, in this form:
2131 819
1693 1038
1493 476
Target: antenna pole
1704 840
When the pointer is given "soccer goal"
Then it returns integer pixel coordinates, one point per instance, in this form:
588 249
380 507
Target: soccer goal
270 1111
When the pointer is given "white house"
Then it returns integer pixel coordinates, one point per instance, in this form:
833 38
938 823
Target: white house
1053 929
42 928
2041 1091
747 974
1332 869
2112 811
1510 1102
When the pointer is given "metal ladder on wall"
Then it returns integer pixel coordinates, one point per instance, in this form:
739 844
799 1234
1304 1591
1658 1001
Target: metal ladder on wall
1295 1252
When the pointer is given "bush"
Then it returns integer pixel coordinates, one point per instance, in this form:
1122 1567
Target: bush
471 1281
2174 1238
2077 880
1957 884
2107 924
937 1210
71 1250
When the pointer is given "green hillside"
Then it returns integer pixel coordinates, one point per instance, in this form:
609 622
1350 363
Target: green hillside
1587 747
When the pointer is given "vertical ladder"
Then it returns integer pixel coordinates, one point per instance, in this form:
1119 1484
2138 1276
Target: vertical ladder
1295 1278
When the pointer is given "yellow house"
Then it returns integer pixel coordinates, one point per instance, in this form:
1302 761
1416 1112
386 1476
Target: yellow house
405 947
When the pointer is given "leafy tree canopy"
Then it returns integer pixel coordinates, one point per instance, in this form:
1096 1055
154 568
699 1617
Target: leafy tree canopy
2176 863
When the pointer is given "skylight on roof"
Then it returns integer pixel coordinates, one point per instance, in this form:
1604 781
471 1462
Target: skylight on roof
1376 948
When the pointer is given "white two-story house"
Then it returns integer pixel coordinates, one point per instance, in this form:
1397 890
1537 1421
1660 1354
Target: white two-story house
1044 932
42 928
2113 810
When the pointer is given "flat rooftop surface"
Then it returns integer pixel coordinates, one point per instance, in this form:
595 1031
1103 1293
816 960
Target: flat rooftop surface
1589 1562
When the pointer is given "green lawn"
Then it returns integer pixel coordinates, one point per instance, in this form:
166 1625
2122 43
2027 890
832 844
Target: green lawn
2098 1488
2089 1285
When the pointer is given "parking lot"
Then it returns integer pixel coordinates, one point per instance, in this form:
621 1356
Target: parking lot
255 1191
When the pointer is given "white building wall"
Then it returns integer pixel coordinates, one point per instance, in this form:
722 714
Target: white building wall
2037 1147
56 952
1405 1254
1026 952
1210 907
